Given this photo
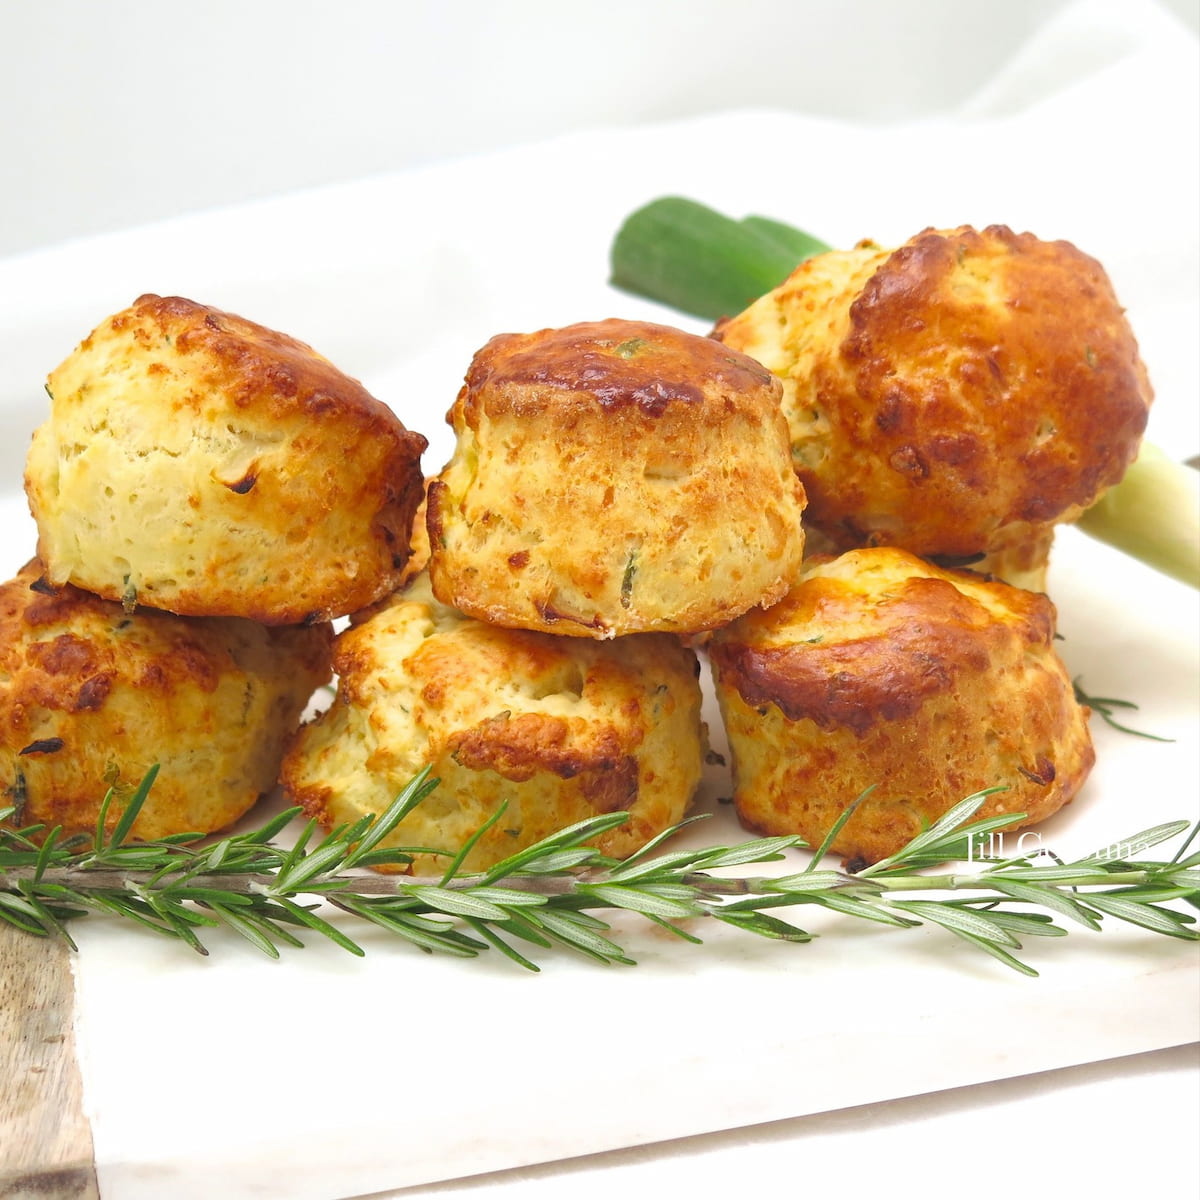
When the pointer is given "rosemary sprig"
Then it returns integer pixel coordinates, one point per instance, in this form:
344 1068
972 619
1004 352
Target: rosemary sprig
1104 705
549 894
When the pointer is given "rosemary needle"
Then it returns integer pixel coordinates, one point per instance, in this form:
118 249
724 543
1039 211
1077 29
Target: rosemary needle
1104 705
550 894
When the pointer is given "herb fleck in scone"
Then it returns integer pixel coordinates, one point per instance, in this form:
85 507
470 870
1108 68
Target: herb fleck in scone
555 729
956 396
614 477
92 696
197 462
880 671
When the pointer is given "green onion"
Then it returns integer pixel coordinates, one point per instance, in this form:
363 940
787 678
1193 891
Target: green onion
703 263
692 258
1153 514
795 243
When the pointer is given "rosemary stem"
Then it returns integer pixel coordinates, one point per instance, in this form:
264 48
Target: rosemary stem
953 882
368 883
375 884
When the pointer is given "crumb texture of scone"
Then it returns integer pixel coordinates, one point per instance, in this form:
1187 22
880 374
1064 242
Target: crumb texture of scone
554 729
92 696
955 396
880 671
196 462
614 477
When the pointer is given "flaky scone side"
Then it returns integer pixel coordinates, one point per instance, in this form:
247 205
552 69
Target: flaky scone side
956 396
200 463
614 477
92 696
881 673
554 730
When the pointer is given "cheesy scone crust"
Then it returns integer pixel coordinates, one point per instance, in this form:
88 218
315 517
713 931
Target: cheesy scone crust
955 396
92 696
197 462
554 729
881 672
614 477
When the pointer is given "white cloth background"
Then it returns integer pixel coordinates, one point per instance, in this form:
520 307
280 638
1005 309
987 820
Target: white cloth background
112 115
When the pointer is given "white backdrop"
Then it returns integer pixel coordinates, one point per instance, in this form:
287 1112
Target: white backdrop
113 114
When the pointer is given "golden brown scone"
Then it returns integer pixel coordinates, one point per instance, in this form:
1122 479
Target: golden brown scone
196 462
882 671
92 696
956 396
418 559
557 729
614 477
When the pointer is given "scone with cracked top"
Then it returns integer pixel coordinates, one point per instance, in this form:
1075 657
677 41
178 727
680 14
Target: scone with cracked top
555 729
92 696
197 462
956 396
614 477
880 671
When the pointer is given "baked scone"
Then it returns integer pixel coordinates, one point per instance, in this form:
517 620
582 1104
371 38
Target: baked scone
882 671
556 729
197 462
956 396
614 477
92 696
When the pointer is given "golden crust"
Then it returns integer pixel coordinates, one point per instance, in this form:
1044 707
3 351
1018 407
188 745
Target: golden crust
212 467
91 696
881 671
948 394
556 729
614 477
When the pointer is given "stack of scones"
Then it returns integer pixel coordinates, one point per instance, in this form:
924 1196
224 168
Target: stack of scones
208 495
616 489
624 503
